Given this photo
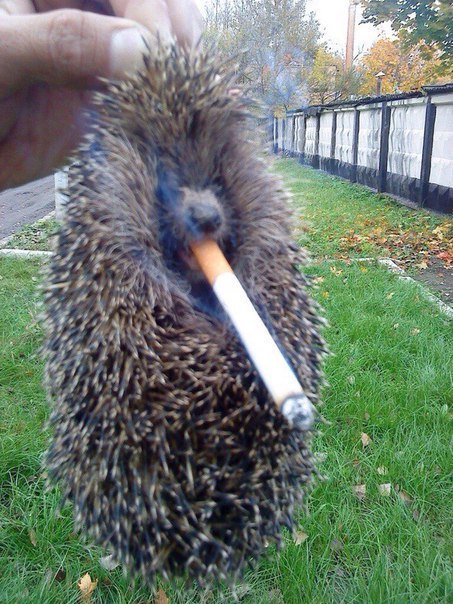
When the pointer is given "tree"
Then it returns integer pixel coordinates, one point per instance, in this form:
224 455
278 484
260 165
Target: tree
426 21
405 69
324 77
274 42
327 80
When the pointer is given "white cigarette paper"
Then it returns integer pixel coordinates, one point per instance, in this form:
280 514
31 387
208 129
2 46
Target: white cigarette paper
270 363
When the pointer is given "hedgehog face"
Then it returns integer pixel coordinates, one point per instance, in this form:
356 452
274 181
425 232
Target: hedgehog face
187 214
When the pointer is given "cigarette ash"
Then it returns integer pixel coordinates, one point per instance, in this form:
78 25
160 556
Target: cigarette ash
164 439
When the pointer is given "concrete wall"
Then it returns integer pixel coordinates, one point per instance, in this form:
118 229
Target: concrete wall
402 146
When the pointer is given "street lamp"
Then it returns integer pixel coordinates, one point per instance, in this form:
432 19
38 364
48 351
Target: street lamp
379 77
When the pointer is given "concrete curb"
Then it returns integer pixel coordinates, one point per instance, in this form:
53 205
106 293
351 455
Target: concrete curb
389 264
12 253
394 268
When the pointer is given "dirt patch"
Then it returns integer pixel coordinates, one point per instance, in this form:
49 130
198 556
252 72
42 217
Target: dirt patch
438 278
26 204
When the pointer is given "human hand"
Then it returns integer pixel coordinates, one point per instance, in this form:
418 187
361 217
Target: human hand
52 53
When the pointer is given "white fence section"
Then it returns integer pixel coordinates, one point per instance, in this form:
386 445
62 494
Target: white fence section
399 144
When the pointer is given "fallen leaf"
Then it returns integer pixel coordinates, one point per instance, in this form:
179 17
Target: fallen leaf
363 269
390 295
86 587
325 295
366 416
382 470
108 562
405 498
366 440
415 331
396 325
422 265
336 271
318 280
385 489
162 597
351 379
60 575
33 539
416 515
299 537
359 491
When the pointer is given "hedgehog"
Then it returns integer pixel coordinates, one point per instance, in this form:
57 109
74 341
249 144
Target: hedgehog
165 440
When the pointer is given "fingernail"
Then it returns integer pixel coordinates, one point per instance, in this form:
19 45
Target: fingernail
127 49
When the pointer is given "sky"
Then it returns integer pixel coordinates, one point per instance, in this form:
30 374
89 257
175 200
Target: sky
333 17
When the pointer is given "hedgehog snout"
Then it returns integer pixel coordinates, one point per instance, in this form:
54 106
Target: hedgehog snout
202 214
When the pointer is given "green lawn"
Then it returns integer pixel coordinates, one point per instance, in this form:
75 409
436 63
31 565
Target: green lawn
390 385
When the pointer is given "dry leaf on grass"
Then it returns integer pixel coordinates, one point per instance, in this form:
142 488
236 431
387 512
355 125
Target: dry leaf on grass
415 331
390 295
382 470
299 537
336 271
366 440
405 498
162 597
359 491
86 587
366 416
33 539
385 489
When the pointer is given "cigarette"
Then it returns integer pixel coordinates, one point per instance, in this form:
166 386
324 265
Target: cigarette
270 363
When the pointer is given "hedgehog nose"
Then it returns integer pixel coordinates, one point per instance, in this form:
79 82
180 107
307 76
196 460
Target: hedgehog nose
203 219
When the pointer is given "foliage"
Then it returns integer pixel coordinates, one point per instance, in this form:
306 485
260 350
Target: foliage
405 68
428 21
324 77
275 43
327 81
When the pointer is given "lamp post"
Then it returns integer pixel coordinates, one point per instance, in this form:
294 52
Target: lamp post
379 77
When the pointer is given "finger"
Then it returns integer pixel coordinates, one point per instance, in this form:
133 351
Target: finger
186 21
101 7
49 128
68 48
153 14
16 7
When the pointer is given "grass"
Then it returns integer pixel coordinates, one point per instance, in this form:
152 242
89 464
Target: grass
37 236
390 378
343 220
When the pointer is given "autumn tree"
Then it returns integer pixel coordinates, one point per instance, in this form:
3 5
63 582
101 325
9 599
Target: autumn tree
405 69
274 42
429 22
327 80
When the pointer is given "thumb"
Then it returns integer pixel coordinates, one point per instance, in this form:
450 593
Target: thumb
68 48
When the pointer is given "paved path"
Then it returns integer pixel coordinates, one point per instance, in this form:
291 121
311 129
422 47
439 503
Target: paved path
25 205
